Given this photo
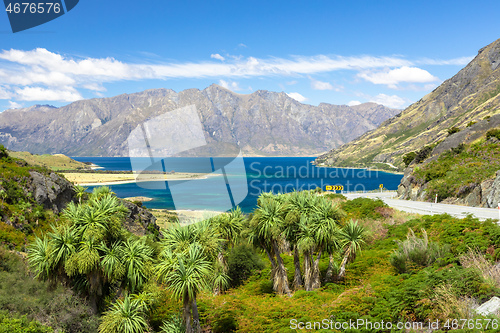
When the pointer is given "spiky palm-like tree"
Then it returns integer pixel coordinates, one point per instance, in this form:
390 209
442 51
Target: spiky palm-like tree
64 242
186 274
306 243
267 222
297 204
228 227
135 257
125 316
89 249
352 237
326 219
80 192
40 258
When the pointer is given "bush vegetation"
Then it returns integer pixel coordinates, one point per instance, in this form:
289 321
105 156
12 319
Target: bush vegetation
408 158
453 130
493 133
422 154
464 165
300 255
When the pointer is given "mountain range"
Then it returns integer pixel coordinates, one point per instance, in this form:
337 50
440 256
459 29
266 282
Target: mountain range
470 96
263 123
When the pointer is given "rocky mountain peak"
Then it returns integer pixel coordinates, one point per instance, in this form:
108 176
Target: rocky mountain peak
262 123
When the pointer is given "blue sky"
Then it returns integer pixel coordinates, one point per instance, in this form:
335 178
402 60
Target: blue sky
339 52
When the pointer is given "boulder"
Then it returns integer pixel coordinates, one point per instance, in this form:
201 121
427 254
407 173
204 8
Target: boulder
493 196
485 191
490 307
474 198
52 191
139 220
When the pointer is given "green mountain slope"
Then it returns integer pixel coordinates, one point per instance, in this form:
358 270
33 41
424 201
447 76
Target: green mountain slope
471 95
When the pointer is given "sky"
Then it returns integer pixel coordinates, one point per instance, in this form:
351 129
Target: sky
337 52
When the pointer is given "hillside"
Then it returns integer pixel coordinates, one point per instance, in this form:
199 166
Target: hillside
470 96
262 123
32 196
462 169
54 162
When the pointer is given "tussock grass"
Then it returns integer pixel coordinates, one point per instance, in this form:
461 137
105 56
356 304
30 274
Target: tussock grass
489 271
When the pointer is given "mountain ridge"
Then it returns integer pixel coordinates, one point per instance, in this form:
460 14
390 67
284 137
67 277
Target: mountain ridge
262 123
469 96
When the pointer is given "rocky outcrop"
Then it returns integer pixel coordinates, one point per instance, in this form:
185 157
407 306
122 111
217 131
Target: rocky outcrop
261 123
139 220
486 194
52 191
492 193
409 188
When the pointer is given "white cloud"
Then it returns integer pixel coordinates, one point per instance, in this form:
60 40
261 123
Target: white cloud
296 96
94 87
291 83
41 94
4 94
319 85
462 61
26 74
229 85
217 56
242 45
353 103
14 105
392 77
393 101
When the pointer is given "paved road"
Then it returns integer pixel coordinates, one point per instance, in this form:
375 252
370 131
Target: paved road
427 208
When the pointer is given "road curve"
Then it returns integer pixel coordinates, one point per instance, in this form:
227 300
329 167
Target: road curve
427 208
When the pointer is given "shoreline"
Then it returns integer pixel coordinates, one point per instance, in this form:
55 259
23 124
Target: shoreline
370 169
105 182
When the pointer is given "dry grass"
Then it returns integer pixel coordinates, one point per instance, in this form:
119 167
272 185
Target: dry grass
54 162
489 271
452 306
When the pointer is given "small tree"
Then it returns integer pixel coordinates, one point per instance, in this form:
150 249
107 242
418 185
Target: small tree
352 236
408 158
422 154
453 130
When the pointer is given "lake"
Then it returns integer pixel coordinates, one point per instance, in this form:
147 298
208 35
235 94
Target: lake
244 184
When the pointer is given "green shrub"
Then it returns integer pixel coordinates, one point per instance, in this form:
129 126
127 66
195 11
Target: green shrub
11 237
59 307
225 324
21 324
363 208
174 325
494 132
14 192
335 196
458 149
417 252
422 154
3 152
241 262
317 190
471 123
409 157
453 130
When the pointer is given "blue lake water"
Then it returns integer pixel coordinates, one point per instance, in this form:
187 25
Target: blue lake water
263 174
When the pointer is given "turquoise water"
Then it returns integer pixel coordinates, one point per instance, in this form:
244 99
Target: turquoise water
263 174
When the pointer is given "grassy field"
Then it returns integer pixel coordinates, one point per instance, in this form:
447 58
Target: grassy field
54 162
